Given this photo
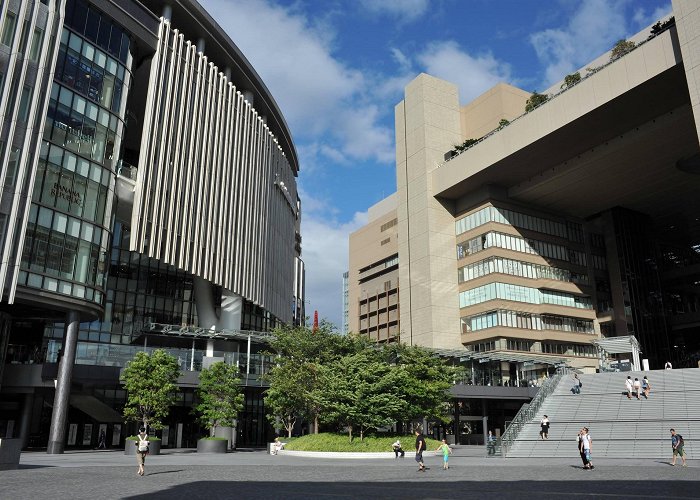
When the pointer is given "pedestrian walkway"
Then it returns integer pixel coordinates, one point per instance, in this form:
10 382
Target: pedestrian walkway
255 474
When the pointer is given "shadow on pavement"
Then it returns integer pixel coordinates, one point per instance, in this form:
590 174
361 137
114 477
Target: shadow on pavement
163 472
449 488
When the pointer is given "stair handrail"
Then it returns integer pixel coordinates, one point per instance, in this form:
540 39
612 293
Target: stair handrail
526 413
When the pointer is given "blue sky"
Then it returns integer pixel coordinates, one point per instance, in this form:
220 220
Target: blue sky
337 68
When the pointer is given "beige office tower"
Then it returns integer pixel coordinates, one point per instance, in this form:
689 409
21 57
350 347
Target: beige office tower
373 291
574 222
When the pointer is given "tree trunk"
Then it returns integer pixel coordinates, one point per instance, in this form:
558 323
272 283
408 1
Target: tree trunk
350 432
316 424
362 433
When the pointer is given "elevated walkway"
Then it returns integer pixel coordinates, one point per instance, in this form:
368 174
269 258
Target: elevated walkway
619 427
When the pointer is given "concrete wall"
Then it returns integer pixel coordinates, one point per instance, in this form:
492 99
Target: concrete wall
687 13
482 115
427 125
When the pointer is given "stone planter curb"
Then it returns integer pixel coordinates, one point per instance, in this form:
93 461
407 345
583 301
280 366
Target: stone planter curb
212 445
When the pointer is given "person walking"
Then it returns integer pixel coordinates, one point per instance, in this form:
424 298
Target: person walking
446 450
398 449
587 445
628 387
101 445
491 443
646 387
576 389
637 386
677 446
580 447
420 448
142 450
544 428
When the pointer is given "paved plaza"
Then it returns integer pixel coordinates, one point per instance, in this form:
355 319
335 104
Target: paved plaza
254 474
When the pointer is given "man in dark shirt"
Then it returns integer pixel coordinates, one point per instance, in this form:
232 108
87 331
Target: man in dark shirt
420 448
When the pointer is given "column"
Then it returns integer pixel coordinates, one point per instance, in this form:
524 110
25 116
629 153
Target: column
61 400
26 421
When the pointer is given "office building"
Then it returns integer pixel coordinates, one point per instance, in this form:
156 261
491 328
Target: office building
554 229
149 201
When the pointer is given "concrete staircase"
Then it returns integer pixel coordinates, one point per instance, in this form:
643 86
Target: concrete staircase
619 427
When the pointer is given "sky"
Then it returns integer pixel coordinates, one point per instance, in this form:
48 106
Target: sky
337 68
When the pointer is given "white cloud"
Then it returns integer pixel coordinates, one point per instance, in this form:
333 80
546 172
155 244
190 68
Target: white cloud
592 30
473 75
642 19
401 10
316 91
325 253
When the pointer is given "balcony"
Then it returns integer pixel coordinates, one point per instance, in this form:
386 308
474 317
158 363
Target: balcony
126 182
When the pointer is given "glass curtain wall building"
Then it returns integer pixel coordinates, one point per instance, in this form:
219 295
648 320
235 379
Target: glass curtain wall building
149 201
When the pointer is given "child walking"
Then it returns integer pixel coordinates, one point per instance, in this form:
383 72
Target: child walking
446 450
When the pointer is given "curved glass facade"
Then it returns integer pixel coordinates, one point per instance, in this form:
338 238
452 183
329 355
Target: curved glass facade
66 244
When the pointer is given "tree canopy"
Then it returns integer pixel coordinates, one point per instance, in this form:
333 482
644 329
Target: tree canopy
349 382
151 384
220 397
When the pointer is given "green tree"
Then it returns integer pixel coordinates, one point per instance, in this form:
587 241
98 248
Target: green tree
301 354
220 397
535 100
571 80
360 392
425 380
503 123
621 48
286 398
151 384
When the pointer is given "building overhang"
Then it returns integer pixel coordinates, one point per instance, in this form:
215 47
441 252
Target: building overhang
612 140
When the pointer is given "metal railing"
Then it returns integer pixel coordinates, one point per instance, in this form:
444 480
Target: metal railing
526 413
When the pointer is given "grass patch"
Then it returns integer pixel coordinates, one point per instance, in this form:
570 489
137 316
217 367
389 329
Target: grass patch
327 441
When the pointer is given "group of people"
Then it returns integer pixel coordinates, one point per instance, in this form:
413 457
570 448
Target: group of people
420 448
637 388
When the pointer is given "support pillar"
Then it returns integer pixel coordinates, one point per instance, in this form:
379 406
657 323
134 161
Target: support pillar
26 421
61 400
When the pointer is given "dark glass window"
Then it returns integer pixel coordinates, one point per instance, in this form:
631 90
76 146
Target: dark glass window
92 26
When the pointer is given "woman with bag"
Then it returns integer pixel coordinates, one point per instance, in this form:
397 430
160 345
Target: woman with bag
141 449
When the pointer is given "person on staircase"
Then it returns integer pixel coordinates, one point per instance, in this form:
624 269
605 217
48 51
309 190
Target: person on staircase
628 387
646 387
677 445
587 445
544 426
637 385
576 389
579 447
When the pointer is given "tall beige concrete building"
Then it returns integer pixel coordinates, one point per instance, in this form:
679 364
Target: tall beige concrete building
576 221
374 299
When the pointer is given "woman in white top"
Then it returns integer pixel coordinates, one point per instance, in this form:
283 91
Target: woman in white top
586 445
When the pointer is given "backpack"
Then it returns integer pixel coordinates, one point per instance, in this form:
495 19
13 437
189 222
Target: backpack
680 440
143 445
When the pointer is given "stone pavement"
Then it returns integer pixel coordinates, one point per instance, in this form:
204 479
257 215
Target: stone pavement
181 474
